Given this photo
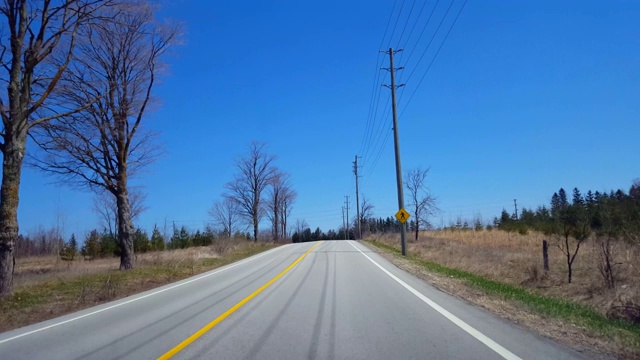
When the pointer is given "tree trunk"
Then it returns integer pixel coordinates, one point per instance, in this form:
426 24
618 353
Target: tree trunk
568 260
417 229
276 224
255 229
284 222
125 227
15 141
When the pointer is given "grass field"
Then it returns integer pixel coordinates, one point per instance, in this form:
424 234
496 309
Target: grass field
47 287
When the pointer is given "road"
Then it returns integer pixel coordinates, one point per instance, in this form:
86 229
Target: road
324 300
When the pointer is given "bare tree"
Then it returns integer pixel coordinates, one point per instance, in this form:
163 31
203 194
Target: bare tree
301 225
102 146
30 32
422 202
255 171
289 196
226 214
106 206
280 199
570 226
366 213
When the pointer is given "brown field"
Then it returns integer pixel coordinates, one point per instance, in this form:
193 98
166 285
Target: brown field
47 287
517 259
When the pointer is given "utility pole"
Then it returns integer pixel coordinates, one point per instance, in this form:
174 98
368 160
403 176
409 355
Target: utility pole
355 171
346 201
396 141
343 226
515 205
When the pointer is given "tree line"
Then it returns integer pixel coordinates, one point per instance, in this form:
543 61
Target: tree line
617 211
607 218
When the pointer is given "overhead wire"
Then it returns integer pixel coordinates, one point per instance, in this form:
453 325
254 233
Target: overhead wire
396 24
377 135
434 58
375 139
375 93
424 28
435 33
406 23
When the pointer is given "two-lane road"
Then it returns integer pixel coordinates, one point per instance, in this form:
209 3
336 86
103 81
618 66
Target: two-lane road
324 300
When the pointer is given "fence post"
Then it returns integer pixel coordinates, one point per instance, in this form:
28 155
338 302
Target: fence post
545 254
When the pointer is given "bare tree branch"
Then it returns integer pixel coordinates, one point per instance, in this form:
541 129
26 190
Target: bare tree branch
226 215
31 33
255 171
422 202
101 146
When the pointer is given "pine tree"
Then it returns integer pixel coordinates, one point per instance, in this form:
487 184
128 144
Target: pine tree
577 198
157 241
477 226
73 245
562 195
91 247
141 242
555 202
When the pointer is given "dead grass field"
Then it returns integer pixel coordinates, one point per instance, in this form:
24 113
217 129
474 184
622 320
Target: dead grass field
47 287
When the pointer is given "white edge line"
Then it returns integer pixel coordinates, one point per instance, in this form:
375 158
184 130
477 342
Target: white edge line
143 296
454 319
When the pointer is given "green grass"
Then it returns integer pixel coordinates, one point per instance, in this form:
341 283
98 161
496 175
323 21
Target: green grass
557 308
45 300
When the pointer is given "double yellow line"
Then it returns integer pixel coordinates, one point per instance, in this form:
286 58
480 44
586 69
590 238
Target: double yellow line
237 306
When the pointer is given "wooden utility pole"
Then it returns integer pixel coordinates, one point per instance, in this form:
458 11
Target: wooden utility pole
346 206
355 171
396 141
343 223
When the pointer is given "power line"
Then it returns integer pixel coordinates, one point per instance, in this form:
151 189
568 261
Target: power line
376 79
426 24
406 22
430 40
414 26
434 57
376 135
396 24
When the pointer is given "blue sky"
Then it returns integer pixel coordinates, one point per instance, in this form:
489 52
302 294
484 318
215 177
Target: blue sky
524 97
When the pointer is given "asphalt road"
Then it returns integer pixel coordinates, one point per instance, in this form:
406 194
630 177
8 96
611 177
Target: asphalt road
339 301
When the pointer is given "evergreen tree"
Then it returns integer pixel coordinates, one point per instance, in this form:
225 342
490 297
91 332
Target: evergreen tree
73 244
555 202
477 226
109 245
141 243
91 247
634 191
562 195
157 240
577 198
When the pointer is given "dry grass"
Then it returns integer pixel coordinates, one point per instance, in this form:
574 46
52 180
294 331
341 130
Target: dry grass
47 287
517 259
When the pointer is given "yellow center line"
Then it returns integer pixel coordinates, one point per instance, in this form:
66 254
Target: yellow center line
237 306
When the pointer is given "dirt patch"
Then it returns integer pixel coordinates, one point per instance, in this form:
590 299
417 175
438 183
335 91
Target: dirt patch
571 335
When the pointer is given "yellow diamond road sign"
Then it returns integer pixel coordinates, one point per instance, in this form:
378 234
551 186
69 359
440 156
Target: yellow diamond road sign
402 215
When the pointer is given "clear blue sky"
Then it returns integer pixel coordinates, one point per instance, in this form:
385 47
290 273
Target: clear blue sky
524 97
